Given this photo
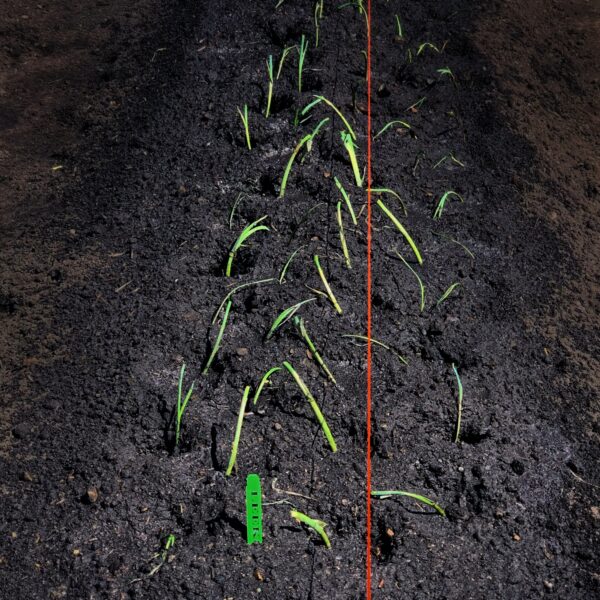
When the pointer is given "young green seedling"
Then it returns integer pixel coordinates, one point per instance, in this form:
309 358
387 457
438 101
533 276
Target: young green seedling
342 235
318 17
287 264
330 294
419 280
299 323
238 431
318 526
401 229
346 198
426 45
460 404
233 291
414 107
399 33
248 231
391 124
217 344
301 56
451 157
375 342
238 199
423 499
381 191
284 316
351 149
266 378
308 140
447 71
442 203
318 100
447 293
246 123
181 403
270 90
451 239
169 543
359 4
313 404
284 54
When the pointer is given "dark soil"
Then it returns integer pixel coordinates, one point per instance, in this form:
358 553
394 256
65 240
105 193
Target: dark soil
113 267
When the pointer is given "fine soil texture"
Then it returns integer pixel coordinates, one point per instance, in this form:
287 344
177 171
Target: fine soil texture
126 179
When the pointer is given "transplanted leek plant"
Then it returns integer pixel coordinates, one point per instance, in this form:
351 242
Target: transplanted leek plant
351 149
313 404
391 124
418 497
299 323
246 123
346 198
217 343
419 280
181 403
375 342
460 403
270 90
284 316
248 231
401 229
330 293
318 526
343 236
442 203
238 431
306 140
266 378
302 50
318 100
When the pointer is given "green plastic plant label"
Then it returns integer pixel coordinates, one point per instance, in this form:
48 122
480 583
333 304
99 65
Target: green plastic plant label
254 528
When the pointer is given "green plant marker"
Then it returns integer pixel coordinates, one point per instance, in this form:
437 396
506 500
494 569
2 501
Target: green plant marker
254 528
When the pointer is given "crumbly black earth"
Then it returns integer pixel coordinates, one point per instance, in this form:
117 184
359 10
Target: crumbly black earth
91 483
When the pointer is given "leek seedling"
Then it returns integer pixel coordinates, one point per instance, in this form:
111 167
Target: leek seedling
270 91
318 526
181 403
342 236
351 149
359 4
442 202
284 54
168 545
375 342
447 71
318 17
451 239
233 291
445 158
219 338
447 293
318 100
245 121
265 379
414 107
423 499
313 404
346 198
238 431
284 316
401 229
301 56
419 280
248 231
299 323
307 139
391 193
391 124
426 45
287 264
238 199
460 402
399 34
330 294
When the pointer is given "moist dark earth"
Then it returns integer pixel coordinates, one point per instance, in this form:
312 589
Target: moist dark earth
122 157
